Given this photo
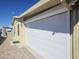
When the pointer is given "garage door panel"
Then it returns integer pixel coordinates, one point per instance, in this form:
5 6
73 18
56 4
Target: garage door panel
49 36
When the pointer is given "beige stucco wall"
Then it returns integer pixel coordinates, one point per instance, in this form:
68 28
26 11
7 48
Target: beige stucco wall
21 37
76 42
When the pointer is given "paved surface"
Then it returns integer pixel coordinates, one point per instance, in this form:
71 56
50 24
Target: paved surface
7 51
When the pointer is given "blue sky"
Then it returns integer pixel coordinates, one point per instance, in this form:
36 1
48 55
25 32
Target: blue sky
10 8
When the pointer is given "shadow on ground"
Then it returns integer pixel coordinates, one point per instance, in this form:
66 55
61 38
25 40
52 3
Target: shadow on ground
2 39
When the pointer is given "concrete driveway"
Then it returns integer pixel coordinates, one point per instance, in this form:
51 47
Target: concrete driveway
8 51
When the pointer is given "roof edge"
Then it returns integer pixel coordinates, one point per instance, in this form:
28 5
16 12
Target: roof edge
13 19
37 5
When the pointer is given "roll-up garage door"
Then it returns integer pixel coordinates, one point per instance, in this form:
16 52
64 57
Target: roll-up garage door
49 36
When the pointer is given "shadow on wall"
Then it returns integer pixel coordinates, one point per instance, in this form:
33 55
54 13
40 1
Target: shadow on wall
74 16
59 23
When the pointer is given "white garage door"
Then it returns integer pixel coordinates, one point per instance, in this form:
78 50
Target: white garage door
49 37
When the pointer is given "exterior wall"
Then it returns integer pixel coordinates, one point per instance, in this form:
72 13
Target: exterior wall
76 41
76 31
21 36
46 35
16 37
